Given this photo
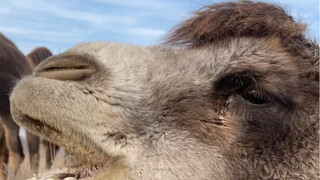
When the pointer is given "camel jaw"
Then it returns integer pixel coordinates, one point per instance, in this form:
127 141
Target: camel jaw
72 144
90 167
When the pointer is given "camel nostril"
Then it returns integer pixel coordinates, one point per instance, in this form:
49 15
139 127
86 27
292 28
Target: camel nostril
65 69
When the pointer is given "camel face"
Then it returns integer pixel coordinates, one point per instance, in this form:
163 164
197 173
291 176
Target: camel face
223 108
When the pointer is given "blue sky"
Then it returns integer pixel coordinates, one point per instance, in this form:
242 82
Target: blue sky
61 24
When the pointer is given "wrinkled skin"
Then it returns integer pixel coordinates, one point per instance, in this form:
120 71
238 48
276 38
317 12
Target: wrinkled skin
239 107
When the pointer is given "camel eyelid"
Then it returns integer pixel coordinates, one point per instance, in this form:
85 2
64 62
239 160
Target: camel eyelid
256 96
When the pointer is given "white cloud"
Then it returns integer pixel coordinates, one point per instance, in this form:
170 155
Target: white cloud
50 8
4 11
145 31
41 35
24 31
142 3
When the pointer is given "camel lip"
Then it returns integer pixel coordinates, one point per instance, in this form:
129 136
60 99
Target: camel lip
37 124
57 137
83 172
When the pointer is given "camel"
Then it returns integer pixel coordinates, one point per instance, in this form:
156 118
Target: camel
14 65
231 94
37 55
3 152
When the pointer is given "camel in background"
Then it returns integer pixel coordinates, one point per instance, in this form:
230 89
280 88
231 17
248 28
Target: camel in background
15 65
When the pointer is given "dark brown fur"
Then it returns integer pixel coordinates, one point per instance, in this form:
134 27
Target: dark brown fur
239 19
3 152
13 65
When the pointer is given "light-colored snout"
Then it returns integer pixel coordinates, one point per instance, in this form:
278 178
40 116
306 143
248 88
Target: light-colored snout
65 68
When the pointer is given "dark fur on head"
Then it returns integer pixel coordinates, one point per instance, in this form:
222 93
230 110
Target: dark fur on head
219 22
239 19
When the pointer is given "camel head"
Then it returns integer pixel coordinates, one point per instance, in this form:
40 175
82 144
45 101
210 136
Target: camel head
231 94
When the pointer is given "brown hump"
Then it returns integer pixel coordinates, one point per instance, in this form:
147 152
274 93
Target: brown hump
235 19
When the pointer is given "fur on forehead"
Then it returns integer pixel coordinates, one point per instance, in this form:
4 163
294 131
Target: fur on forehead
235 19
227 20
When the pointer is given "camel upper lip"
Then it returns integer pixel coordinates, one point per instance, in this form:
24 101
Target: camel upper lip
83 172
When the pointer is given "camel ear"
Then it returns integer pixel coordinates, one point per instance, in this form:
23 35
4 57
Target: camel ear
234 19
39 54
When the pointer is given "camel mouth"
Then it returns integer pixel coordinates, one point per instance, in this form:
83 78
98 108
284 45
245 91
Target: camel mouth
82 171
38 125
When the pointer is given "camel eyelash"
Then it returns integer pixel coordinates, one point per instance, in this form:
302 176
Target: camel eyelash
260 97
255 96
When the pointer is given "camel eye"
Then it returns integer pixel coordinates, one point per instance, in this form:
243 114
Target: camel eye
257 97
